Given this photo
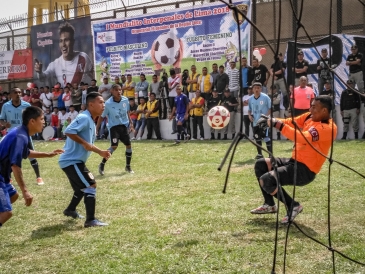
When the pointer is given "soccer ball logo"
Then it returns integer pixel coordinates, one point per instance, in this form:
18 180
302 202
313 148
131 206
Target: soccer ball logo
218 117
167 49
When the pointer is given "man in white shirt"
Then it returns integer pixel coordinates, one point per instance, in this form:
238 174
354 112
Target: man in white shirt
104 88
46 98
234 79
62 118
246 119
173 81
73 113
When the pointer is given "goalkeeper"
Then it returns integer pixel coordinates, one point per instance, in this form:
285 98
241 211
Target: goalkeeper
318 130
258 104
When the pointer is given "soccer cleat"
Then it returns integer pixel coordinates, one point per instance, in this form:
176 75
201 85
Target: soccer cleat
192 139
101 169
73 214
129 169
139 139
94 223
176 142
296 210
40 181
264 209
133 138
259 156
187 138
201 139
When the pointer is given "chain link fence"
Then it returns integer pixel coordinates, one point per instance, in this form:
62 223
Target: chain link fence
348 17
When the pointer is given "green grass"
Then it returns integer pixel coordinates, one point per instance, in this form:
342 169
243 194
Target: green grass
171 216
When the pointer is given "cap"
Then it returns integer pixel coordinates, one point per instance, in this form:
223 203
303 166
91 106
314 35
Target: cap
324 50
257 84
349 81
300 52
57 86
226 90
280 54
214 90
353 47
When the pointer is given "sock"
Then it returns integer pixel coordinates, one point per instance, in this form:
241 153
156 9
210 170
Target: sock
90 201
111 150
76 199
356 135
128 156
269 146
1 224
259 151
344 135
288 200
35 166
178 136
269 200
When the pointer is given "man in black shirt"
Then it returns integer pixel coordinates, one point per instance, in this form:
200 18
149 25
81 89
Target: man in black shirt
261 74
354 61
93 87
327 89
277 71
324 73
350 109
221 81
301 67
214 100
230 102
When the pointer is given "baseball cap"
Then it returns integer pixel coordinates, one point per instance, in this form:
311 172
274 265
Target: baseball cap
349 81
300 52
353 47
257 84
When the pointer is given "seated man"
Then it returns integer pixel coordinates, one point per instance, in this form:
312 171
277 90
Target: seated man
317 130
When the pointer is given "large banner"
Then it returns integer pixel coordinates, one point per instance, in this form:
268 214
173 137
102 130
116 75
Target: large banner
62 52
341 48
150 44
16 64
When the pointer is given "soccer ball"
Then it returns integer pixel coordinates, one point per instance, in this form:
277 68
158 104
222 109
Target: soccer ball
218 117
167 48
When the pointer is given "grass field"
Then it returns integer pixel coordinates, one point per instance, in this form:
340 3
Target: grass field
171 216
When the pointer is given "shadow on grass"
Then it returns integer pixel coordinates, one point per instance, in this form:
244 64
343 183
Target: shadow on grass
247 162
186 243
54 230
260 224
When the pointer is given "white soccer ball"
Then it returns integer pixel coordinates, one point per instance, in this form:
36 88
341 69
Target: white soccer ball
167 48
218 117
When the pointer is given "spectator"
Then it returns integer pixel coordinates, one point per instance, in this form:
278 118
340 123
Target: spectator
133 111
142 88
324 73
117 81
83 108
302 97
221 82
205 83
152 113
277 71
164 87
62 118
173 81
93 87
276 99
192 83
234 79
66 98
84 93
214 72
47 116
26 97
76 96
128 87
35 98
104 88
246 119
56 93
155 87
197 112
247 75
46 98
327 89
141 120
124 80
300 67
261 74
213 101
350 104
54 122
354 61
230 102
72 114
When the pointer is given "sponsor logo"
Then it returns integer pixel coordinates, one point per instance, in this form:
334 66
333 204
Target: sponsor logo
115 140
105 37
91 176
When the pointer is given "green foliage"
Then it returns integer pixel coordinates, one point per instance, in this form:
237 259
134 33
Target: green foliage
171 216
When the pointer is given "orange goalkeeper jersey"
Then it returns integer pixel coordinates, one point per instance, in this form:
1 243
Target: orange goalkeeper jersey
319 134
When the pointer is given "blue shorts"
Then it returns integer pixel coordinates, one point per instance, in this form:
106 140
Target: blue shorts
6 191
180 118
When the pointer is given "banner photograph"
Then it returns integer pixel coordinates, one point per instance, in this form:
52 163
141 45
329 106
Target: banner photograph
151 44
16 64
62 52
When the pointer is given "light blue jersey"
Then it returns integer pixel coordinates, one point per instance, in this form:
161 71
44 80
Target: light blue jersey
84 126
13 114
117 112
259 106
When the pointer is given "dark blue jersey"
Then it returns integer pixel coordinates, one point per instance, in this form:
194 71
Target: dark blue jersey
181 103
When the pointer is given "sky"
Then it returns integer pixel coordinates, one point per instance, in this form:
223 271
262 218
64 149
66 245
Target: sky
7 11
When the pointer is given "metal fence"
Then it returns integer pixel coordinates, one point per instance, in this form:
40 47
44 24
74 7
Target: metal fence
348 17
